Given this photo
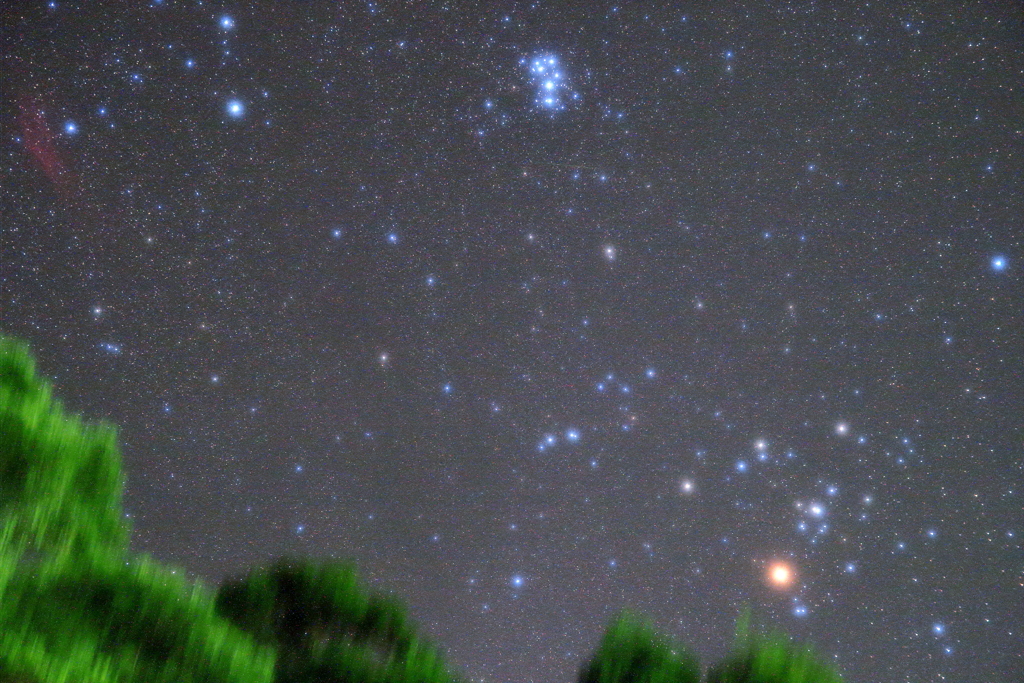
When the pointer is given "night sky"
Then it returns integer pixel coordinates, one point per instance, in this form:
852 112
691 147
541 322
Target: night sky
538 311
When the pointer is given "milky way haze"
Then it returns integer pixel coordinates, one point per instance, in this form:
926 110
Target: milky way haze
537 310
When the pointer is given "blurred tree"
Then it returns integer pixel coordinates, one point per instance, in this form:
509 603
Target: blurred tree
772 659
633 652
75 607
60 480
328 628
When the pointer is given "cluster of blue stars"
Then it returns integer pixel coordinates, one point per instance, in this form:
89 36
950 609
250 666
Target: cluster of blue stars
550 83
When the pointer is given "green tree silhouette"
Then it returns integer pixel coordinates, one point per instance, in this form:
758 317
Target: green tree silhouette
633 652
771 659
75 607
328 628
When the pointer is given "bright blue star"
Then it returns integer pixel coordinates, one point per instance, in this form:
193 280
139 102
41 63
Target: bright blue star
741 466
651 373
393 238
998 263
189 63
235 109
938 629
227 23
517 581
70 127
572 435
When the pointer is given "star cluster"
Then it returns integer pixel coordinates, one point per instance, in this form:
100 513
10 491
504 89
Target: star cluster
541 311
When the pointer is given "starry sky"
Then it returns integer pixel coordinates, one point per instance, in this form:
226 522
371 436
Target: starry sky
542 310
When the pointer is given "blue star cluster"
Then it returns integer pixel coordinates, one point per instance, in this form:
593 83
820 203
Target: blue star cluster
551 87
542 311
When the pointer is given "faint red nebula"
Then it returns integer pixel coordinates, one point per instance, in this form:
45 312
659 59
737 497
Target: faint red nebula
39 140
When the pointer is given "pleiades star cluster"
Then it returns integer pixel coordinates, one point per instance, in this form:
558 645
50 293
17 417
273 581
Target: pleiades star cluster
540 310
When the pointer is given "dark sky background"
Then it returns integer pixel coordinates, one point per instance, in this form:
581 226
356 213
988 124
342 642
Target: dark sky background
539 310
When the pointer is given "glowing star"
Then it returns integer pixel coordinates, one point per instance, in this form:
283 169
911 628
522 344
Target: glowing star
842 429
70 127
235 109
998 263
227 23
609 252
517 581
686 487
780 575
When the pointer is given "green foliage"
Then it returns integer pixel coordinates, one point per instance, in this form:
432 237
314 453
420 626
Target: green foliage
328 628
770 659
633 652
60 480
74 606
117 621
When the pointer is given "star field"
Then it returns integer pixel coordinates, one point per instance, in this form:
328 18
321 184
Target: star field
538 311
